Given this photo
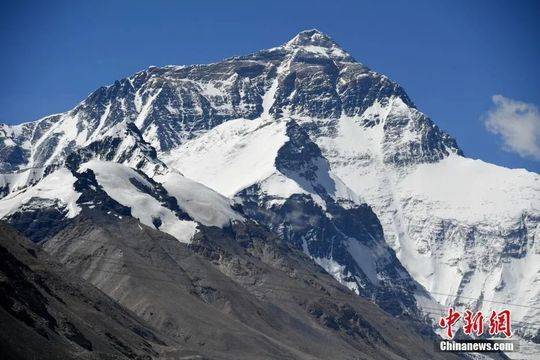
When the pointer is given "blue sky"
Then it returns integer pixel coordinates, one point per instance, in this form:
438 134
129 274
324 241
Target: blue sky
452 57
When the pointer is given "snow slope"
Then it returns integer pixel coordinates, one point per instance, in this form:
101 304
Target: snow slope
232 156
57 186
203 204
465 229
239 153
117 180
148 199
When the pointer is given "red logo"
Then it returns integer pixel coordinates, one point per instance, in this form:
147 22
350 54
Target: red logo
449 321
473 322
499 323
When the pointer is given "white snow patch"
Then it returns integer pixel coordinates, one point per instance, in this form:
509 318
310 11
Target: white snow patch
471 191
57 185
101 124
232 156
338 272
203 204
115 180
145 108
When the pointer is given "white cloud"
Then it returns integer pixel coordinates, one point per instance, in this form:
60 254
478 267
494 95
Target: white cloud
518 123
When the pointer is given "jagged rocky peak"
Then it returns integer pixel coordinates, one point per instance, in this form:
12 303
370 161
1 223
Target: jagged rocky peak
309 77
318 79
317 42
311 37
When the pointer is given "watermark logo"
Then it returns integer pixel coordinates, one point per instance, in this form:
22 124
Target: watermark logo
486 345
475 324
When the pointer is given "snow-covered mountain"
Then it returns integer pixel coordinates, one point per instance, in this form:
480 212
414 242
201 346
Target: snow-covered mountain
306 140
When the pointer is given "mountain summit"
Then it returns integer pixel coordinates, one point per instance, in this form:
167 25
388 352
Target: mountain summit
311 37
331 157
316 40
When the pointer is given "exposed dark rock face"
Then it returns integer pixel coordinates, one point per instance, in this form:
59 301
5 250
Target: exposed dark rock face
301 159
39 218
48 313
92 194
429 145
11 157
242 285
329 235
